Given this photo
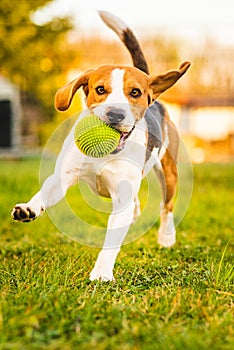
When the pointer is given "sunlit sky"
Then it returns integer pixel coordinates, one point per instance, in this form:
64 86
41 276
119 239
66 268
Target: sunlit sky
192 20
189 19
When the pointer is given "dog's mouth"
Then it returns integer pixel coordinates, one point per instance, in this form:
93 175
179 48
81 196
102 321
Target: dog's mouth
123 138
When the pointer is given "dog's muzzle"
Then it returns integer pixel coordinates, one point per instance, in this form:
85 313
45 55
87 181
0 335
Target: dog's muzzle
116 118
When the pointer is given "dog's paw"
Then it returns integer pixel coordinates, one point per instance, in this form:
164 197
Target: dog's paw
167 232
166 240
23 213
101 275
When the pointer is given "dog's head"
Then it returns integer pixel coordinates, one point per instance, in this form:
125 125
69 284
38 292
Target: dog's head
118 95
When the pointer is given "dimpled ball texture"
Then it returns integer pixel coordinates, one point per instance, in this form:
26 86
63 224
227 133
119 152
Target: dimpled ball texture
95 138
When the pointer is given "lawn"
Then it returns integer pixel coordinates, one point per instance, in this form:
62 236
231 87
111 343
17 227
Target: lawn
179 298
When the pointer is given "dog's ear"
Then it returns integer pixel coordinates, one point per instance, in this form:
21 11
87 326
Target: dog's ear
64 95
162 82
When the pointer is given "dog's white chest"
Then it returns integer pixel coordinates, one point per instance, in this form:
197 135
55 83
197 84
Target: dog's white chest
101 173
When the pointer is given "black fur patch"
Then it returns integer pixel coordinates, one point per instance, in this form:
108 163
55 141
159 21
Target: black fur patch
154 119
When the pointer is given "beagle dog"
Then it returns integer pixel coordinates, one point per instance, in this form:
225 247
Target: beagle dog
124 97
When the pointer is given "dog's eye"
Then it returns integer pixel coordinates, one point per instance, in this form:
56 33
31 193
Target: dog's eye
100 90
135 93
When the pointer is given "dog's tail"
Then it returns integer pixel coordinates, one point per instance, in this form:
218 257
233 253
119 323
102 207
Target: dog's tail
127 37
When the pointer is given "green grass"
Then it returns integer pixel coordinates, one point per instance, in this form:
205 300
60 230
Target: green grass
178 298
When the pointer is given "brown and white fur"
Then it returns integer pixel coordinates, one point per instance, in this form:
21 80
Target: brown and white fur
125 98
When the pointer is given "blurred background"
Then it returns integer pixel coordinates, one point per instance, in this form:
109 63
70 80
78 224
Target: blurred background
46 43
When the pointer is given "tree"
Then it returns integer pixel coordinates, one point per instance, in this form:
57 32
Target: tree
33 56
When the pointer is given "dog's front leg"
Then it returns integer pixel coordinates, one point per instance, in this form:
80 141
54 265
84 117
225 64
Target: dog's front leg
54 187
52 191
118 226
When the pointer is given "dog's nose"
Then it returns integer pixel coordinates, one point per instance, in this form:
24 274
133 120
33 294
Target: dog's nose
115 115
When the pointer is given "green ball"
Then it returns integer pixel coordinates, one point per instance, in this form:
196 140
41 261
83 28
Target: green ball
95 138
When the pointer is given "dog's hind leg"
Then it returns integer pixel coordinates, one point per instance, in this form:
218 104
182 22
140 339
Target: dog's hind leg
168 179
